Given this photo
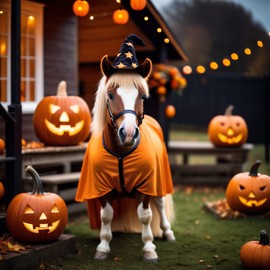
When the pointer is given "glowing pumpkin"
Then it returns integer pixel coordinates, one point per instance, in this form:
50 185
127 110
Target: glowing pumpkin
249 192
2 145
81 8
62 119
36 217
256 254
228 130
120 16
138 4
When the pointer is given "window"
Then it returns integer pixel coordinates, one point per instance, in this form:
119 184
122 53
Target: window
31 54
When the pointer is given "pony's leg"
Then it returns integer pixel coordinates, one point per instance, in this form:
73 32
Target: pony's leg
106 216
145 216
164 223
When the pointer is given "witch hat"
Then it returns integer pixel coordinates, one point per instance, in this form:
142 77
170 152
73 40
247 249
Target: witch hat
126 58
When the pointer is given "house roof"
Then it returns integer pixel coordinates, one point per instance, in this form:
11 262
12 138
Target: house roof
102 36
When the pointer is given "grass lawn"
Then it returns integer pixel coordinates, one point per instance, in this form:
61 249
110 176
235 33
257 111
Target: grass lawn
203 241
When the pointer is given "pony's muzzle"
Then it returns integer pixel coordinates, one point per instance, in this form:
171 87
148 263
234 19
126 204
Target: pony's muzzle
127 136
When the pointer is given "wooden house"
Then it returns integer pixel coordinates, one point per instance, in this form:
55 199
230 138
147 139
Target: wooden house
43 43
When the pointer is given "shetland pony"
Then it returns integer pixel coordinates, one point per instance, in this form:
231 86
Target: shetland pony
125 177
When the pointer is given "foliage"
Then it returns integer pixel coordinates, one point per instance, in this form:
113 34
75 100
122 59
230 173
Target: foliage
208 36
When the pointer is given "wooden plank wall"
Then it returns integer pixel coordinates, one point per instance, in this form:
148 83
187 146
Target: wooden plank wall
60 55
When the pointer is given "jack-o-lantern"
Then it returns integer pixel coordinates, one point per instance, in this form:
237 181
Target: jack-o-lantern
36 217
228 130
62 119
249 192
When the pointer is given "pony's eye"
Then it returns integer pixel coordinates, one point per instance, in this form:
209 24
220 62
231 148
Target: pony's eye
110 96
144 97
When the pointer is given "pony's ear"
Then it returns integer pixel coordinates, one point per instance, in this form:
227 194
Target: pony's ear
146 68
106 66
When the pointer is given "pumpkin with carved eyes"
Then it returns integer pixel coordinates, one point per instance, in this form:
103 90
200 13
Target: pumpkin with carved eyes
228 130
249 192
62 119
36 217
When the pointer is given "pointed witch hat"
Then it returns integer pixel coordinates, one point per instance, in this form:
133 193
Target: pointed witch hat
126 59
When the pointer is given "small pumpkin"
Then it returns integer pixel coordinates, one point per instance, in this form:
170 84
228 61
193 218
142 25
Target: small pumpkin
36 217
138 4
2 145
170 111
62 119
81 8
2 191
249 192
256 254
120 16
228 130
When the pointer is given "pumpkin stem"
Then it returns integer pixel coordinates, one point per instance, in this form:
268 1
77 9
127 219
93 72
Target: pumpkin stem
37 188
264 238
254 168
62 89
229 110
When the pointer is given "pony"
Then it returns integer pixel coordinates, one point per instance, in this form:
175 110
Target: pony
125 176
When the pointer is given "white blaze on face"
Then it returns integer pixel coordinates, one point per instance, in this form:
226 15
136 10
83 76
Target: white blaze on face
129 97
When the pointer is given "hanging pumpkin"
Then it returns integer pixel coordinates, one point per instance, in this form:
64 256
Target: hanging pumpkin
138 4
255 255
2 191
36 217
2 146
62 119
81 8
249 192
120 16
228 129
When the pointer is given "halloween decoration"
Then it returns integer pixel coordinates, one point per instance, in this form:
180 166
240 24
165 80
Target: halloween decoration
81 8
2 146
120 16
249 193
138 4
255 255
126 163
170 111
2 191
227 130
62 119
36 217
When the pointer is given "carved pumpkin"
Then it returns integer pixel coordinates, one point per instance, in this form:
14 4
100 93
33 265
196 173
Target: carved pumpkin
249 192
2 191
228 130
62 119
256 254
120 16
36 217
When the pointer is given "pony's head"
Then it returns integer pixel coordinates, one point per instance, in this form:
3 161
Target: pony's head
119 100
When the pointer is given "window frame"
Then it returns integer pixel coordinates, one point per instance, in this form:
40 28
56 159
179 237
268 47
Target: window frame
36 10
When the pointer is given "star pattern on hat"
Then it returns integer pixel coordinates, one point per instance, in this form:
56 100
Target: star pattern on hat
121 65
129 55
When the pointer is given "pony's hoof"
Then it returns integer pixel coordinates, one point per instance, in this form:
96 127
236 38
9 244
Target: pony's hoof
102 256
169 236
150 256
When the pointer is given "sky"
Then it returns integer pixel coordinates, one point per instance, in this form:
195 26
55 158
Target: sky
260 9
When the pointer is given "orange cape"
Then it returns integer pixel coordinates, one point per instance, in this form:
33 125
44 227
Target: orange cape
146 168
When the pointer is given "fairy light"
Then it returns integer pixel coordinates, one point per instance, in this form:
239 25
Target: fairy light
146 18
226 62
200 69
247 51
92 18
234 56
159 30
166 40
213 65
260 43
187 70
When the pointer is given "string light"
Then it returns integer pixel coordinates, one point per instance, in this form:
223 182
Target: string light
247 51
234 56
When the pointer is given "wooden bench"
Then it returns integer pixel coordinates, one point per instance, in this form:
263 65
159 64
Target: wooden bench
202 163
64 184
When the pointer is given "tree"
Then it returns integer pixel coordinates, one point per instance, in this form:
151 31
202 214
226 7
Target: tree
212 30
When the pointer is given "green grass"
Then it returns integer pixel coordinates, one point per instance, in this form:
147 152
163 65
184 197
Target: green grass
203 240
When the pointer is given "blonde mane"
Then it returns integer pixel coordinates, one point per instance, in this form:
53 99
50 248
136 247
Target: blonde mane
117 79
